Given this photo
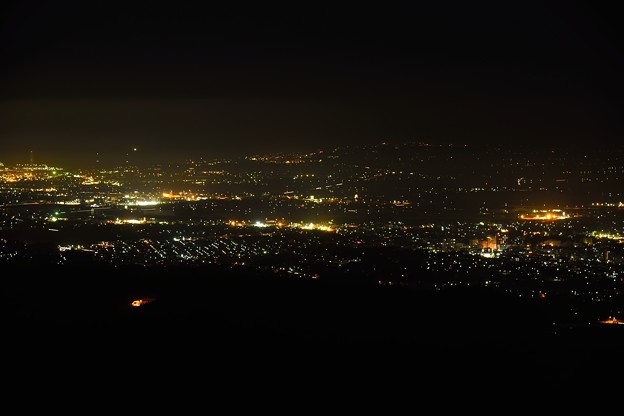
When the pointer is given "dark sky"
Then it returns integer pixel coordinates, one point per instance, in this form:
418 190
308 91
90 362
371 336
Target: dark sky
179 81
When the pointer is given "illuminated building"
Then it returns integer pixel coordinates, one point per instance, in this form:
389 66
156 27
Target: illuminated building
545 215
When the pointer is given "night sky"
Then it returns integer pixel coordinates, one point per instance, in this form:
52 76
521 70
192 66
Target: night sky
179 81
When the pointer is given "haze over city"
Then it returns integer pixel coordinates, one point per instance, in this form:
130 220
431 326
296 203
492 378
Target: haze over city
83 81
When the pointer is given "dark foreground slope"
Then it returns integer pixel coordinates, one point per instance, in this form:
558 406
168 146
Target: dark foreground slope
241 323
